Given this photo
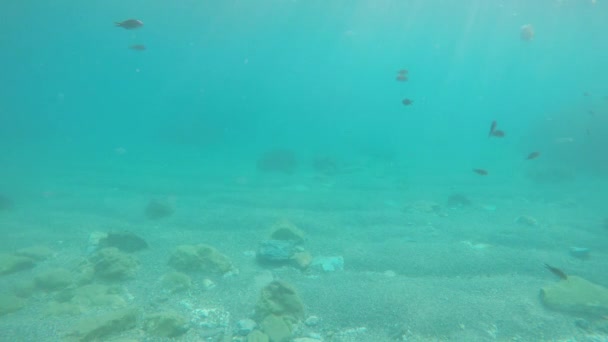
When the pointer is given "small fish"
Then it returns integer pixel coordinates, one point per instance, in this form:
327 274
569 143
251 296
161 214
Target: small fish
533 155
138 47
564 140
481 172
407 102
130 24
492 128
401 78
586 93
557 272
402 72
498 133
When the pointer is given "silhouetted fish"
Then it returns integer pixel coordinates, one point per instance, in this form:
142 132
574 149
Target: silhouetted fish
533 155
492 128
130 24
138 47
557 272
498 133
481 172
402 72
401 78
407 102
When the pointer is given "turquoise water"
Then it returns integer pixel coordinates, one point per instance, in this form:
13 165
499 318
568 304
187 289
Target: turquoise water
92 130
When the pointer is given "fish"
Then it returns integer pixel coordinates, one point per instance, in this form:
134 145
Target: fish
557 272
498 133
533 155
492 128
407 102
130 24
138 47
401 78
481 172
402 72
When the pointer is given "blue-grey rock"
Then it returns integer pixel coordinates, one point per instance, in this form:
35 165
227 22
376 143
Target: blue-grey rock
245 326
276 250
580 252
328 264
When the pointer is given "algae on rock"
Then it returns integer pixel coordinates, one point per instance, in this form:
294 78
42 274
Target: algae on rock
100 327
112 264
166 324
576 295
14 263
200 257
279 298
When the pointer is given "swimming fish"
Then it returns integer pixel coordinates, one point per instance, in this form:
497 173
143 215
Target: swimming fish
402 72
533 155
492 128
481 172
557 272
407 102
130 24
498 133
401 77
138 47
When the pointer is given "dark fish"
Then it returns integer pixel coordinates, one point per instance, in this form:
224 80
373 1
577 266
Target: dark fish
492 128
498 133
402 72
138 47
401 78
130 24
586 94
407 102
557 272
481 172
533 155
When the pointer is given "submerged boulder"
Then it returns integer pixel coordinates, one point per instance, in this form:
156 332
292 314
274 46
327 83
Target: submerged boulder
576 295
201 258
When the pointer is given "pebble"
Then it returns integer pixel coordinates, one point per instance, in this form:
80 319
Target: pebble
312 321
245 326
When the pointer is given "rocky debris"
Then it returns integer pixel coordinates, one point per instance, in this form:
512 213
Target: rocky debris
156 209
124 241
10 263
165 324
245 326
101 327
284 247
174 282
576 295
112 264
37 253
201 258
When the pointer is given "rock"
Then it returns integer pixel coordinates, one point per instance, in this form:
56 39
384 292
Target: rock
302 259
285 230
125 242
528 221
245 326
10 303
456 201
277 328
100 327
82 299
281 161
14 263
328 264
576 295
201 257
176 282
312 321
166 324
112 264
276 251
580 252
55 279
279 298
37 253
156 210
257 336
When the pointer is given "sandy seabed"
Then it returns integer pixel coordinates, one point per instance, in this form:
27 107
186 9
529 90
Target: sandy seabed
416 267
